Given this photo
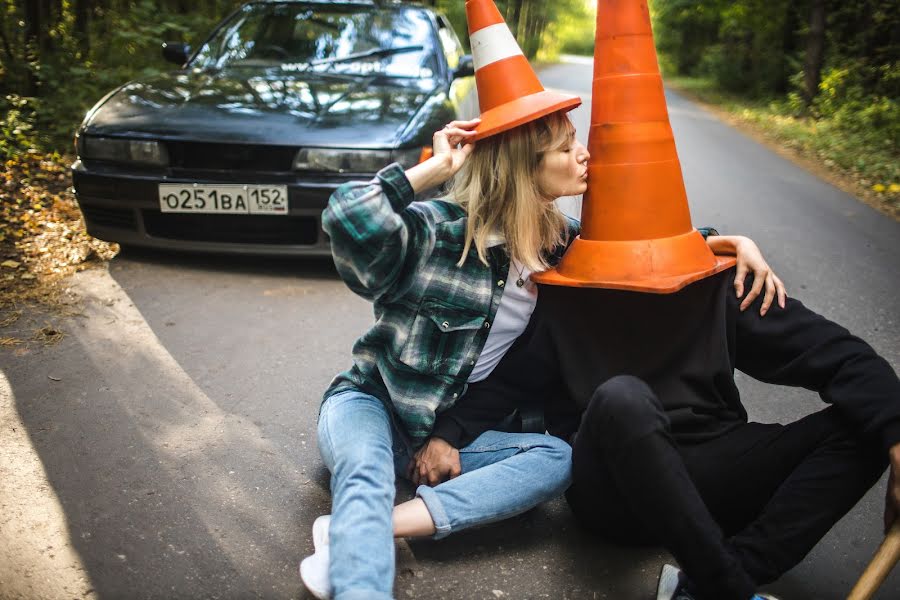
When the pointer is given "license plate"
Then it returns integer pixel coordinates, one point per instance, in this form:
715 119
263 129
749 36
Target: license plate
231 199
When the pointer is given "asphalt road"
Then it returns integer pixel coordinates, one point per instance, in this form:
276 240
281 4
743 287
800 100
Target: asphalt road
166 447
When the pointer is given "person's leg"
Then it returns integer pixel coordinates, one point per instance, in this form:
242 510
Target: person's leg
631 483
503 474
412 519
355 440
777 490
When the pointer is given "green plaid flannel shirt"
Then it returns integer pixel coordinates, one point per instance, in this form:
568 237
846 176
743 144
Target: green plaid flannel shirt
431 317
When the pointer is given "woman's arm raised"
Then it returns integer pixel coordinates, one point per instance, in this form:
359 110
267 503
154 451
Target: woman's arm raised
448 157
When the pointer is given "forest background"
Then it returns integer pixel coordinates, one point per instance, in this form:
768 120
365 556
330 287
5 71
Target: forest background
819 76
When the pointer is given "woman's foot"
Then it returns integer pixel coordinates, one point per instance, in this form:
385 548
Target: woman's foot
314 568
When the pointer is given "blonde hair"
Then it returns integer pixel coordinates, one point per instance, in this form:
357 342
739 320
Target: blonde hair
498 188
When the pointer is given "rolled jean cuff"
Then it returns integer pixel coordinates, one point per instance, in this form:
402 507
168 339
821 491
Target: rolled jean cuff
363 594
441 522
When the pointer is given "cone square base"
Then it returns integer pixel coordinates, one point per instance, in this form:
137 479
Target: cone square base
656 266
522 110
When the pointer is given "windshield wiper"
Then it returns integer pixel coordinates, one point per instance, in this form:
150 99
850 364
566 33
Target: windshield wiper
366 54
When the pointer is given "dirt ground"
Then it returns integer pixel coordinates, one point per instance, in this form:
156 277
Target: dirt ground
42 242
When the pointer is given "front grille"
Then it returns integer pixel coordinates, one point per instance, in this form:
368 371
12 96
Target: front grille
109 217
235 229
114 188
230 157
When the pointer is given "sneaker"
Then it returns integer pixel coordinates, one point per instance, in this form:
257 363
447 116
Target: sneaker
674 585
320 531
314 568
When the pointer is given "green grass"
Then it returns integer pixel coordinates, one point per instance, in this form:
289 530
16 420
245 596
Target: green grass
862 160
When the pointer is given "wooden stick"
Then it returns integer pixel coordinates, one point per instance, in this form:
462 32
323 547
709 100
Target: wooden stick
881 565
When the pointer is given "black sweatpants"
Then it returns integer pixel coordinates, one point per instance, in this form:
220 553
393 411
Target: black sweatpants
736 511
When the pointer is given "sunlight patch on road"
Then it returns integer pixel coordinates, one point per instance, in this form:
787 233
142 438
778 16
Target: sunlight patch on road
193 439
37 559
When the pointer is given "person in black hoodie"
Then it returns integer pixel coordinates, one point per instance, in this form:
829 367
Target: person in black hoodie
642 386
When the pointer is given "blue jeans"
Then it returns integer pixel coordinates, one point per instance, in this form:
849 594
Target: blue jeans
503 474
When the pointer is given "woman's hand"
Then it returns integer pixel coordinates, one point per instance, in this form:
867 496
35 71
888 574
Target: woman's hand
750 260
434 463
451 147
450 143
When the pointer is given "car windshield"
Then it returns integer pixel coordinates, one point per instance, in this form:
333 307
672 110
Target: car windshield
348 39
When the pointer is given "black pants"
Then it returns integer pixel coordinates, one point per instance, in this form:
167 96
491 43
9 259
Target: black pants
736 511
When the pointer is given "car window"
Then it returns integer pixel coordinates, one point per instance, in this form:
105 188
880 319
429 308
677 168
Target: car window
354 40
450 43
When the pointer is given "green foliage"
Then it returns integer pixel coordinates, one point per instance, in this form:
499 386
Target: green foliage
130 49
573 33
49 86
17 128
755 55
858 145
844 100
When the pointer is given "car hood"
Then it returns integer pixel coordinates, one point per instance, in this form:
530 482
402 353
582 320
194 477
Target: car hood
309 109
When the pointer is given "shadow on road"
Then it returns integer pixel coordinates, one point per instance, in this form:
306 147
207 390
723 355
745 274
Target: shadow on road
315 267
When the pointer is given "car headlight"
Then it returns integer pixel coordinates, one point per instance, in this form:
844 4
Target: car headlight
341 160
145 152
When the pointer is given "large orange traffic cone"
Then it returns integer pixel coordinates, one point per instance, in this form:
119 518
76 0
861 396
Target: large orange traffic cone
509 92
636 227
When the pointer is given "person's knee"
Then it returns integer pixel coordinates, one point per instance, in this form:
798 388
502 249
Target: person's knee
354 430
554 452
558 455
841 438
557 450
622 403
550 461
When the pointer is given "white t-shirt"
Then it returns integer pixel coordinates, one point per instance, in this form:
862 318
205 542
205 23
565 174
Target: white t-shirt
516 306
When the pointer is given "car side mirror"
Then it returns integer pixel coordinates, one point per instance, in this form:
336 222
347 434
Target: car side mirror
465 68
175 52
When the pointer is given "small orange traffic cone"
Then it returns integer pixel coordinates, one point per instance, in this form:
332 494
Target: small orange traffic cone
509 92
636 226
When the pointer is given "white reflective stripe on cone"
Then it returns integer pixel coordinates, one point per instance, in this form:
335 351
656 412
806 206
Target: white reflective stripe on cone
493 43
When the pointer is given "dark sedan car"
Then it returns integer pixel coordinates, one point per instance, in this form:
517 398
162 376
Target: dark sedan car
240 149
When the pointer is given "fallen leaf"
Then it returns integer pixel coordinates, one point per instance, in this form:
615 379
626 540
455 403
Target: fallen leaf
11 264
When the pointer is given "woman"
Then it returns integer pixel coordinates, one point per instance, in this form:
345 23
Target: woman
449 282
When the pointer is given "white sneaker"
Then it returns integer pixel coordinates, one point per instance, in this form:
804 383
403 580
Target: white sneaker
314 568
320 531
669 579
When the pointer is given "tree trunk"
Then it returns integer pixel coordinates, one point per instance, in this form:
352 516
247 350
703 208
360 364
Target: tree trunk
32 43
788 47
7 47
46 43
521 32
513 12
815 51
82 19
